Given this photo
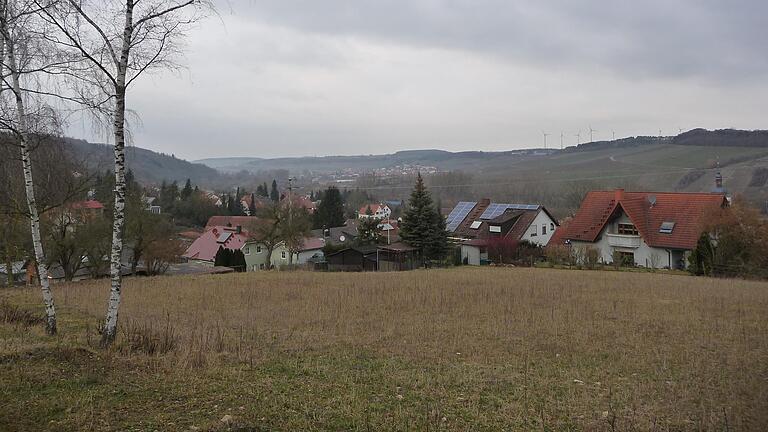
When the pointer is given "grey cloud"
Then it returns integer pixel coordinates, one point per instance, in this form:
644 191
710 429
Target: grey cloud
651 38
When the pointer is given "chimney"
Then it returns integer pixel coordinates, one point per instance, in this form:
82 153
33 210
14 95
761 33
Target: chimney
239 229
718 181
619 194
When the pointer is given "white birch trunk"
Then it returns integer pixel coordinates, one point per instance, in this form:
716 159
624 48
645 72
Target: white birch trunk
34 218
110 326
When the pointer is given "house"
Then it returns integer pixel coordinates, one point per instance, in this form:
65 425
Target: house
204 248
476 224
231 221
256 259
378 211
18 271
358 258
151 203
335 236
253 201
83 211
648 229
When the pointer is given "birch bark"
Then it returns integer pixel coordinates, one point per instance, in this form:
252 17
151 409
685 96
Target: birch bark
118 224
29 186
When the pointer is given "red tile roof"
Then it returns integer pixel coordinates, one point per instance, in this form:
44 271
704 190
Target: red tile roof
206 246
374 208
686 210
311 243
89 204
232 221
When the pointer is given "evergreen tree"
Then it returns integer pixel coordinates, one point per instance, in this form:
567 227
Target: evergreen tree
274 194
220 260
187 191
237 260
423 227
330 211
252 206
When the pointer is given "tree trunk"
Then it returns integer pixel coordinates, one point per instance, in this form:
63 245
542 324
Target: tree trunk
34 219
118 221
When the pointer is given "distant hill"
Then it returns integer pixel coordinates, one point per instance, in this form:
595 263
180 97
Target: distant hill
723 138
148 166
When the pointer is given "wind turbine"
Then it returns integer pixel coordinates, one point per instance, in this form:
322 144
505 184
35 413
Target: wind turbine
545 139
578 137
591 131
614 134
562 134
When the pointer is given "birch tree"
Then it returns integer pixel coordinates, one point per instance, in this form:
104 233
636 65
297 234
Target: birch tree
22 57
115 43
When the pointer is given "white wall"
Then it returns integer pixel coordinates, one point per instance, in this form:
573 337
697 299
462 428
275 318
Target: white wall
540 239
645 256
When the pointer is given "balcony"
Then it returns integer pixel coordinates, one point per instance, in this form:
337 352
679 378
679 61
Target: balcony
623 240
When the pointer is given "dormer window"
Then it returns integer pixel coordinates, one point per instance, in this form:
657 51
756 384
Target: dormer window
627 229
667 227
494 228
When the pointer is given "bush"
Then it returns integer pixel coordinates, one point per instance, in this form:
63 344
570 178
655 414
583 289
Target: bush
559 254
591 257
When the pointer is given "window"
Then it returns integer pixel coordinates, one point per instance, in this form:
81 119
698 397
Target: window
494 228
258 249
551 226
476 224
246 250
627 229
627 259
534 230
667 227
543 229
283 255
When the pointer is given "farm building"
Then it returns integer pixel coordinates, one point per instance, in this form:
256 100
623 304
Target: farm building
358 258
648 229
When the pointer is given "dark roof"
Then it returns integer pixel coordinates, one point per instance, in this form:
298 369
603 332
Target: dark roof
398 247
686 210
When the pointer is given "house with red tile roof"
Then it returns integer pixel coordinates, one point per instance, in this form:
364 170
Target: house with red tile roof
204 248
648 229
476 224
378 211
231 221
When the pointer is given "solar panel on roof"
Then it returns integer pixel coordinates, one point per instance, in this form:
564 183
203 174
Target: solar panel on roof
458 214
224 237
497 209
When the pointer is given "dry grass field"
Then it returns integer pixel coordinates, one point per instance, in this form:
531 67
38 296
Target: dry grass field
460 349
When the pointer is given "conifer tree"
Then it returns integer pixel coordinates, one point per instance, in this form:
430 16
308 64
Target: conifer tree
423 227
274 195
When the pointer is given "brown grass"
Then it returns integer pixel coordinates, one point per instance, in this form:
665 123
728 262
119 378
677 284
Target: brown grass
447 349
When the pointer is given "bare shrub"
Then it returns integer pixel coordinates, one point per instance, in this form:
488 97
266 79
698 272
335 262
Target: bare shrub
13 314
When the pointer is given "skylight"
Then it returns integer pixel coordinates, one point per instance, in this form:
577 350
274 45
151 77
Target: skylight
476 224
667 227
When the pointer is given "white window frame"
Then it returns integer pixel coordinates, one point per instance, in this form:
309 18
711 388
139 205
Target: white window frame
535 230
258 249
246 250
283 255
476 225
494 228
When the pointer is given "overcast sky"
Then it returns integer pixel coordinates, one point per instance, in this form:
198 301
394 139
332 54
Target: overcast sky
273 78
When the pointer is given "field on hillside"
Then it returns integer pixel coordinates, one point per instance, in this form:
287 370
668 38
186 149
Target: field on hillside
459 349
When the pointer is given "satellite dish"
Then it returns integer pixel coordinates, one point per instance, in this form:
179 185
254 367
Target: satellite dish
342 239
652 199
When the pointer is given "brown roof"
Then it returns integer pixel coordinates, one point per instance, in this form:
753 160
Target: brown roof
232 221
686 210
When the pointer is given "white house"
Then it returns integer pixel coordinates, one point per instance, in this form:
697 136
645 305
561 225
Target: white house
646 229
378 211
256 258
476 224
